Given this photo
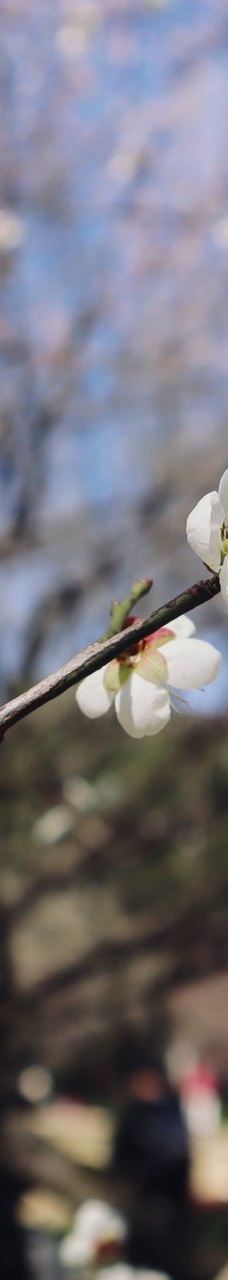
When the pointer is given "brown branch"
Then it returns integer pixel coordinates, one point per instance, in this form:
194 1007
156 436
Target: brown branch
98 654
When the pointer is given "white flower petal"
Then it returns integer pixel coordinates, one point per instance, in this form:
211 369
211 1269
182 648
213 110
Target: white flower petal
223 494
75 1252
191 663
181 626
203 530
92 696
96 1220
224 579
142 708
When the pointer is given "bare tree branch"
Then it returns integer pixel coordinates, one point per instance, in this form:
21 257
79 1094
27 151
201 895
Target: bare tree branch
102 651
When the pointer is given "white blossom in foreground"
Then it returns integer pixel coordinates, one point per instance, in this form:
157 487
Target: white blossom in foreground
95 1225
117 1271
140 683
207 531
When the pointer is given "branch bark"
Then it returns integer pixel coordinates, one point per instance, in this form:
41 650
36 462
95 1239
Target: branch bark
102 651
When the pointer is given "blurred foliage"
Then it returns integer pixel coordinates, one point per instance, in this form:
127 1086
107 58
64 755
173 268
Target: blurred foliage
128 902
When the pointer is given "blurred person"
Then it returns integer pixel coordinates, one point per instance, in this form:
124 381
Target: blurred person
151 1153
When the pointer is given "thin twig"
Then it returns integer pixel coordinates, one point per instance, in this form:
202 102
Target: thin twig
98 654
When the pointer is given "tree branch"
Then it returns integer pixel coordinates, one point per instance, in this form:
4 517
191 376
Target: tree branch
102 651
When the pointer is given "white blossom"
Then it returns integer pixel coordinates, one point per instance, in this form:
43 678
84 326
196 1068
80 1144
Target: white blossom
207 531
116 1271
95 1224
140 683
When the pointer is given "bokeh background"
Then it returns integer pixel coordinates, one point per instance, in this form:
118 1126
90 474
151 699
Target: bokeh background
114 380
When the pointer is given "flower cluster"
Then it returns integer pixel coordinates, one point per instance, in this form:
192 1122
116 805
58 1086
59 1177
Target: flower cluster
97 1237
140 683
